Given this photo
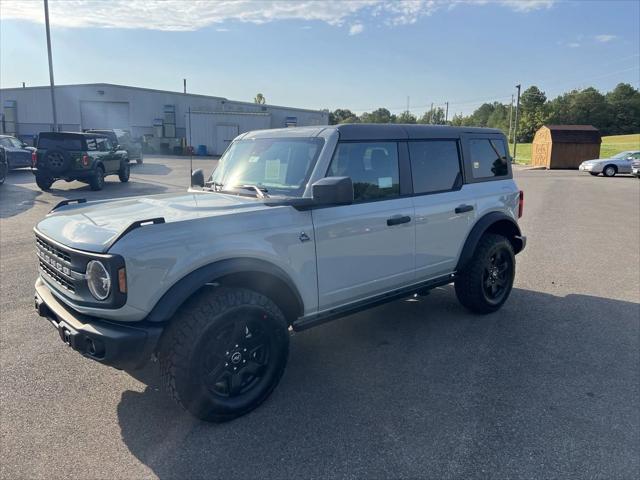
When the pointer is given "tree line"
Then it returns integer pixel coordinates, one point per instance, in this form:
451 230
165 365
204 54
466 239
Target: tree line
614 113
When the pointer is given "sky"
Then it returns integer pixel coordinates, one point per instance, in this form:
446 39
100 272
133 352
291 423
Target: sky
359 54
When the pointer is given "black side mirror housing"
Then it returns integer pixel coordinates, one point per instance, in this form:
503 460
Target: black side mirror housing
197 178
333 191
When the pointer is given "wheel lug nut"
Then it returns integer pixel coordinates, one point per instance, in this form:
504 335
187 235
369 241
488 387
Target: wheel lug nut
245 349
226 364
227 353
244 361
234 369
236 345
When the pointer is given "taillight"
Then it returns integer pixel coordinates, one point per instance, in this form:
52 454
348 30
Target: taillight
85 160
520 204
34 159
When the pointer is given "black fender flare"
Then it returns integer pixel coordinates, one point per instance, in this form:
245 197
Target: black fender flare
173 298
496 222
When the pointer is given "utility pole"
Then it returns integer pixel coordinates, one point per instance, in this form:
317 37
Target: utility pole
515 127
510 119
51 83
184 82
23 85
446 114
431 114
408 98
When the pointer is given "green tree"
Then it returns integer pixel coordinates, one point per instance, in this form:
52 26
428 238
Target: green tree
434 116
259 99
533 113
341 115
624 109
406 117
381 115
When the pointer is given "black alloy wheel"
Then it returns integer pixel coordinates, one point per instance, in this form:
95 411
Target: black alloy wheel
236 355
497 275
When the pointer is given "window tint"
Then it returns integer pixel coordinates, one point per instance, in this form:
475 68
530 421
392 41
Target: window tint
103 144
91 144
488 158
435 166
58 141
372 166
5 142
15 142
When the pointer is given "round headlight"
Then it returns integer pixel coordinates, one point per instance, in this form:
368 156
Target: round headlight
98 280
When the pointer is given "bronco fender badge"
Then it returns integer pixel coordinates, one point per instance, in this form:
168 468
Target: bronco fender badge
304 237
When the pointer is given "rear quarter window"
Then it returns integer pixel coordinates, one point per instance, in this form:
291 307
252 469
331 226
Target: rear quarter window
488 158
64 143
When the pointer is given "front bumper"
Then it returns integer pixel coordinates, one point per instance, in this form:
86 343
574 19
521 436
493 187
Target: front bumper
120 346
635 171
590 168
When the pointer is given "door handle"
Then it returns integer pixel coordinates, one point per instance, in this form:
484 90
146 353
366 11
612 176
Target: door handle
398 220
463 208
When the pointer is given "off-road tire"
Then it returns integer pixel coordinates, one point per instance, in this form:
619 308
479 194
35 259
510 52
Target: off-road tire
469 283
44 182
124 172
186 346
96 182
3 172
609 171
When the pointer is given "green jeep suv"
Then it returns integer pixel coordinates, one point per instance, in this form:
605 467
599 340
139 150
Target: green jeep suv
87 157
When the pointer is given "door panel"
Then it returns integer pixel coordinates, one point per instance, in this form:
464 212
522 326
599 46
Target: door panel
359 254
440 231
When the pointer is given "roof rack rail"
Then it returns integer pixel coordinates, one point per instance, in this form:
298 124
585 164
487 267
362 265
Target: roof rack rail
68 202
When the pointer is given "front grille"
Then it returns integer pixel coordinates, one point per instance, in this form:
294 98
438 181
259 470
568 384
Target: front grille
57 277
56 264
52 249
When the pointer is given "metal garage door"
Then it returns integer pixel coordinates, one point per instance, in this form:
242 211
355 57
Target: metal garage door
104 114
224 136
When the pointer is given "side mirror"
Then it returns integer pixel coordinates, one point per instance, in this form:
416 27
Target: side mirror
333 191
197 178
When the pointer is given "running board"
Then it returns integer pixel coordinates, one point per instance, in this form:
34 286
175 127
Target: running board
319 318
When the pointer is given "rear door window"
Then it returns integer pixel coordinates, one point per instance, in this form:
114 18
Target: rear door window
435 166
488 158
91 144
372 166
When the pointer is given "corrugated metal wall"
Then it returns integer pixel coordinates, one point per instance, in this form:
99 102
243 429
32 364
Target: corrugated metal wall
215 130
34 107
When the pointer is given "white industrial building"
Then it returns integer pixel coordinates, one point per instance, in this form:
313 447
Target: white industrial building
162 117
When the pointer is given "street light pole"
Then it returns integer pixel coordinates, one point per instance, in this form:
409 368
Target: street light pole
515 127
51 82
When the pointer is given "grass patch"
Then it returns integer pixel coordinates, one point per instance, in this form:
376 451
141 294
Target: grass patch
609 147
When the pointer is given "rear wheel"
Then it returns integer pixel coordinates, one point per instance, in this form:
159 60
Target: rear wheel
609 171
486 282
44 182
96 182
124 171
224 353
3 172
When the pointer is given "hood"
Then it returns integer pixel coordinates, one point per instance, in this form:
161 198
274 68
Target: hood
93 226
595 160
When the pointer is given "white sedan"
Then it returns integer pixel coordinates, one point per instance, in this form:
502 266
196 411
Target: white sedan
619 163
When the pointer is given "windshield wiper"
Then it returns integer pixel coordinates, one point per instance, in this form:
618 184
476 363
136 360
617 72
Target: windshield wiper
260 192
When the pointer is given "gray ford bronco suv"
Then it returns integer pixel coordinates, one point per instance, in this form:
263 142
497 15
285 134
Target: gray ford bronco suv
294 228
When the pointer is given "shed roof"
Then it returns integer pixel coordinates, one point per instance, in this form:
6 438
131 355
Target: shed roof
574 134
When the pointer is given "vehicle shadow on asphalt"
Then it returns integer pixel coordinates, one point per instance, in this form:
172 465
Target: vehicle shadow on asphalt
150 169
422 388
15 199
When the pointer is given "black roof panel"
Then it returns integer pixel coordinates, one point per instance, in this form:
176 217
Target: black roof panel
393 131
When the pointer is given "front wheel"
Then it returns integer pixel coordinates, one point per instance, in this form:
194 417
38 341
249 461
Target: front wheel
609 171
486 282
224 353
595 174
3 172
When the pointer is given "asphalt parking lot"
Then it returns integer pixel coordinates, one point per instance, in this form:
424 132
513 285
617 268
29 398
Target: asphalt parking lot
547 387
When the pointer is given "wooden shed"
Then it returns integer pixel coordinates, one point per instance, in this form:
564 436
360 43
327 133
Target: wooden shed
565 146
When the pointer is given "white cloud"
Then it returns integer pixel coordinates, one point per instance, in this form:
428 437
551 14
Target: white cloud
605 38
181 15
356 28
573 45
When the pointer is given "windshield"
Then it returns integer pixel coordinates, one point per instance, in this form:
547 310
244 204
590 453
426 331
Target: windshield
280 166
622 155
